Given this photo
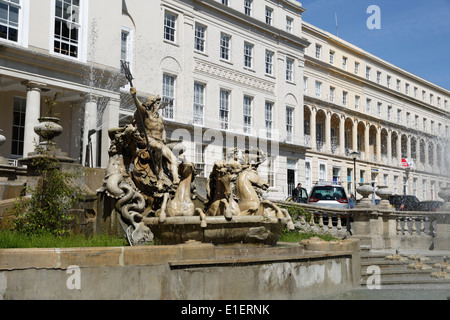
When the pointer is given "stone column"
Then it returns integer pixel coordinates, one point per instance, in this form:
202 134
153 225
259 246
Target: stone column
366 140
32 114
342 134
355 135
110 119
417 151
408 147
389 145
313 127
327 131
399 149
90 123
378 144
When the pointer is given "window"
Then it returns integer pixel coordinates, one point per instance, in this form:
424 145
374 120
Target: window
356 68
331 57
408 119
289 124
269 16
318 89
67 27
225 3
398 85
379 109
388 81
407 88
399 116
318 51
368 105
224 109
322 170
289 24
344 98
168 95
289 70
356 102
308 174
225 43
416 122
378 77
389 112
269 119
423 95
18 126
248 101
368 73
200 159
248 7
248 55
269 62
415 92
169 26
9 19
200 37
332 90
271 170
344 63
305 84
431 99
124 48
199 102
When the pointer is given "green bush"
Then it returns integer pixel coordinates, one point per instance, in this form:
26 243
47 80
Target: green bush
45 211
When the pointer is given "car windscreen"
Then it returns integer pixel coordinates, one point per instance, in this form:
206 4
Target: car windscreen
328 193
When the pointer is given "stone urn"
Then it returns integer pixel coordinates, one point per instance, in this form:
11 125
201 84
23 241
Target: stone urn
48 128
383 192
365 189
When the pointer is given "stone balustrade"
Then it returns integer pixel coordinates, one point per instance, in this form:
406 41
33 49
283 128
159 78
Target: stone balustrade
380 227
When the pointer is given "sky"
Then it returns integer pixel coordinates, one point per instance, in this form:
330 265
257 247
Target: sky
414 34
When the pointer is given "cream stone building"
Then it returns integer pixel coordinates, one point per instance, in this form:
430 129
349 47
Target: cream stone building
355 101
234 73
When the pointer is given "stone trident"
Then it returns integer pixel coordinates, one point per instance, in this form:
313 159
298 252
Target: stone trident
129 76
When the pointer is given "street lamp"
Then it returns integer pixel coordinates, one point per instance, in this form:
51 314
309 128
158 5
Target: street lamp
354 155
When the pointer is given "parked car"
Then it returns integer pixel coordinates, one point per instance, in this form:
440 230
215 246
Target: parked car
431 205
405 202
329 194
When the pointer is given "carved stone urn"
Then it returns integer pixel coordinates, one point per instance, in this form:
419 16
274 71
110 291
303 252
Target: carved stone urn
365 189
383 192
48 128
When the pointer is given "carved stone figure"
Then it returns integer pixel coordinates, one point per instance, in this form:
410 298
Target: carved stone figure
153 188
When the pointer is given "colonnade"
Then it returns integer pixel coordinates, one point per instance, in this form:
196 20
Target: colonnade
339 133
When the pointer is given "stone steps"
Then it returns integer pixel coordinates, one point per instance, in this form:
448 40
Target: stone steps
394 272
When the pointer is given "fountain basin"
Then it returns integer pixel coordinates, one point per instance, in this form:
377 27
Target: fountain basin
219 230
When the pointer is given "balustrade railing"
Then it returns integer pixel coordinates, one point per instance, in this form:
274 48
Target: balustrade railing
380 228
414 223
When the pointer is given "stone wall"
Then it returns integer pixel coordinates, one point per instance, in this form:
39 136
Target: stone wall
189 271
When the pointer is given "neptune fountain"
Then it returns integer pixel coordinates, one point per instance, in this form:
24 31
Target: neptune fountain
154 188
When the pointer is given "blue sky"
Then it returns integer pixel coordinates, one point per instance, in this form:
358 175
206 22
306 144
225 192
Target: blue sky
414 34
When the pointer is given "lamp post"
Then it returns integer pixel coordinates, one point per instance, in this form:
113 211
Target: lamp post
354 155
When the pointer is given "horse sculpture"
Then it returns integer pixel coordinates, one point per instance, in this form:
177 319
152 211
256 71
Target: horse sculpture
219 192
181 203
